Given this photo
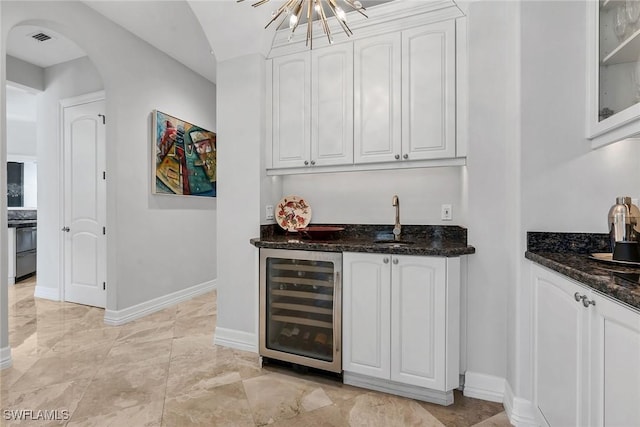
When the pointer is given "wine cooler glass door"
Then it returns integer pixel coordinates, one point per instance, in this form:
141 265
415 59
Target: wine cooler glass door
301 308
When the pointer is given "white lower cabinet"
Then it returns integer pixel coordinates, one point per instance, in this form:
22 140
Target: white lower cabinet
586 355
401 324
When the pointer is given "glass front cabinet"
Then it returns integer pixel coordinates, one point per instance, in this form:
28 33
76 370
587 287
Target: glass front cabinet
614 71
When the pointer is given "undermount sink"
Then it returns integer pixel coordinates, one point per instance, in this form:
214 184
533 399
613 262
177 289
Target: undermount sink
393 243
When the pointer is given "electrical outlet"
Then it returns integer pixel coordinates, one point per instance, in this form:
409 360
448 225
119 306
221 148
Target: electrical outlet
446 214
268 212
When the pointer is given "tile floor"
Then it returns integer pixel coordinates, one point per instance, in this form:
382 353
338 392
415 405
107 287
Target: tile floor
162 370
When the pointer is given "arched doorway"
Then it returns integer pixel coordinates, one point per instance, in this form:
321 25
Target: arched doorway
67 73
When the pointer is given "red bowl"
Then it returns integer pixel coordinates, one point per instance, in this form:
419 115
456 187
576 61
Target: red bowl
320 232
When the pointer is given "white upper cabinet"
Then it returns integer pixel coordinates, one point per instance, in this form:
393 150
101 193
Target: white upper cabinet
429 92
332 105
614 71
377 99
312 108
390 96
291 110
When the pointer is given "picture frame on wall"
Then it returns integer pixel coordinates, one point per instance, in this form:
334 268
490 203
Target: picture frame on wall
184 157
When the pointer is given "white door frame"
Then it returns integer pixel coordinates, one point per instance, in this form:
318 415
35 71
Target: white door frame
64 103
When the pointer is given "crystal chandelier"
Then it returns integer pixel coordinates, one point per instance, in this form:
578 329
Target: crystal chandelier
313 9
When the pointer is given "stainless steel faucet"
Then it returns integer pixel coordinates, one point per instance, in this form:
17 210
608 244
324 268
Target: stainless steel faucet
397 228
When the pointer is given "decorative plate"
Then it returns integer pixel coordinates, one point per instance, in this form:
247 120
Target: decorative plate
608 257
292 213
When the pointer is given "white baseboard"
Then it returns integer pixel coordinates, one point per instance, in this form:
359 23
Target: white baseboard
483 386
52 294
12 280
120 317
233 338
520 411
5 358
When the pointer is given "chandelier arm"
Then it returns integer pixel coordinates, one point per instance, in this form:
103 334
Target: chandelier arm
279 11
325 24
357 9
343 24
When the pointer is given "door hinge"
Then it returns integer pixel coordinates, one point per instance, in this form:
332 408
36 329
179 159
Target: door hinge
104 230
104 286
104 175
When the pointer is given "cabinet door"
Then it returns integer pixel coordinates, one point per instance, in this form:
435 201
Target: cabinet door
332 105
615 369
365 317
377 92
428 92
291 88
560 350
418 319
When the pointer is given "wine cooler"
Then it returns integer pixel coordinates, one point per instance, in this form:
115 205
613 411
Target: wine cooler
300 307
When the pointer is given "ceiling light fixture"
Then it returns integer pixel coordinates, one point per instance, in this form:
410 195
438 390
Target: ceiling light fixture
314 9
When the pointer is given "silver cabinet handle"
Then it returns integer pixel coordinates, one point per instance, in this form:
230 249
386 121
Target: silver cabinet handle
586 302
406 156
395 260
67 229
578 297
385 260
306 163
397 156
313 162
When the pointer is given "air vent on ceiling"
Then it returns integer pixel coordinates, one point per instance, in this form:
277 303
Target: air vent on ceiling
41 37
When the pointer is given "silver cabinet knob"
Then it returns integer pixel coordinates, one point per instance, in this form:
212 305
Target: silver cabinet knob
578 297
313 162
586 302
385 260
395 260
67 229
406 156
306 163
397 156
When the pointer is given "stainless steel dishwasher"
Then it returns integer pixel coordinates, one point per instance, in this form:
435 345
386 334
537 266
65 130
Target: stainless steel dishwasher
26 251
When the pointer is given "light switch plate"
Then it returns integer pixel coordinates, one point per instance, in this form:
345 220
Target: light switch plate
268 212
446 214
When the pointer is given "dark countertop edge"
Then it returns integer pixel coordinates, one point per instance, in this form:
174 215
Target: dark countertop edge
602 284
370 247
21 223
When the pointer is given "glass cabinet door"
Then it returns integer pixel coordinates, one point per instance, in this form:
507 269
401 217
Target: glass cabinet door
614 110
300 307
619 48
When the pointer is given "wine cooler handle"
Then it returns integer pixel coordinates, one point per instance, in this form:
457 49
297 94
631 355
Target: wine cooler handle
337 291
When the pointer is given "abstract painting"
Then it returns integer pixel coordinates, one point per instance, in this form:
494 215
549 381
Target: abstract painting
184 156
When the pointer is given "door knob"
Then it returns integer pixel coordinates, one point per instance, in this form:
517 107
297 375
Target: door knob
67 229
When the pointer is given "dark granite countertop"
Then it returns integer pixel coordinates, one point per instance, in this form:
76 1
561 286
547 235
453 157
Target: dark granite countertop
446 241
569 254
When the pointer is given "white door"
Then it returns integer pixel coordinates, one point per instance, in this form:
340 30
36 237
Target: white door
332 105
429 92
376 99
366 314
560 351
291 111
615 370
84 203
418 319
